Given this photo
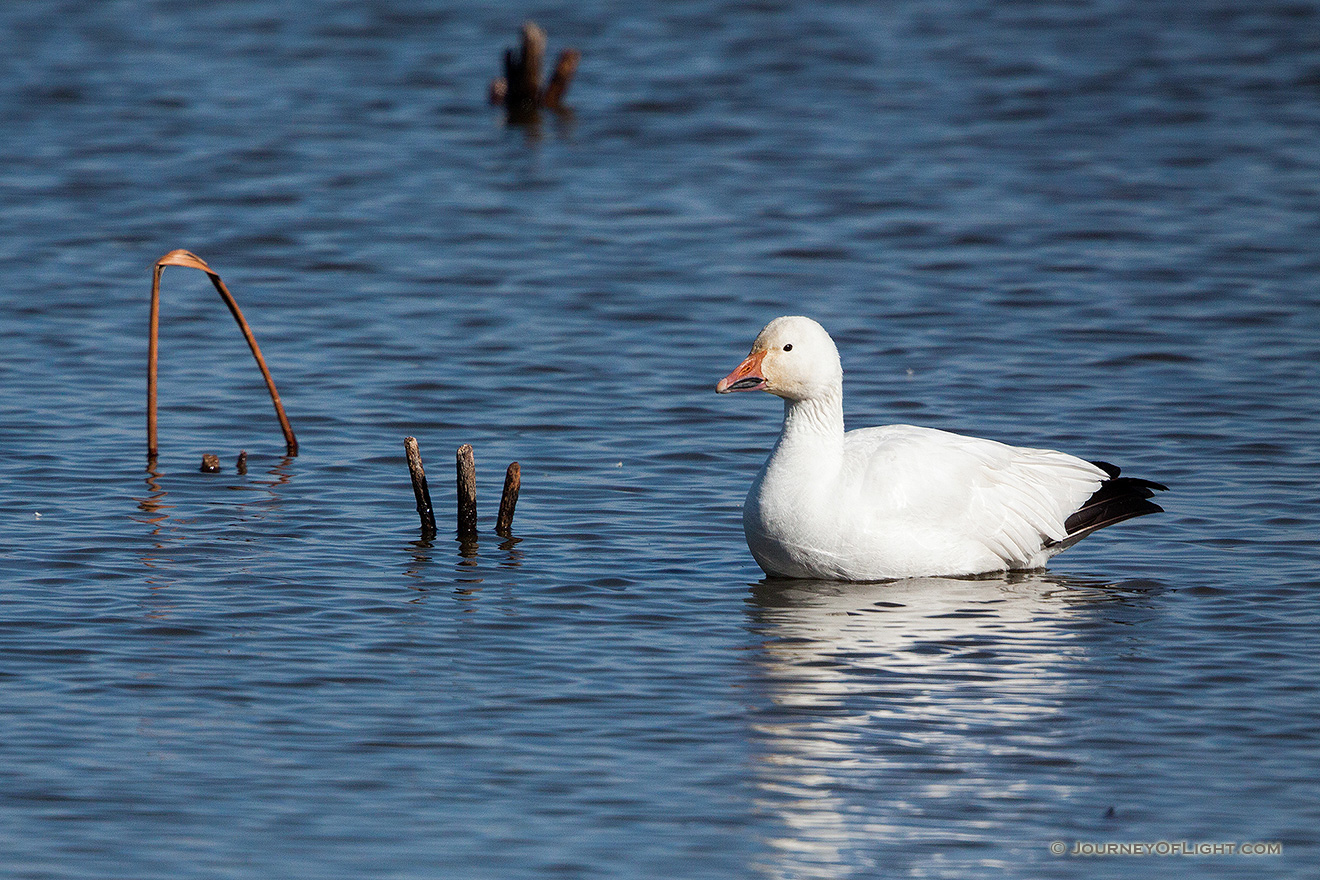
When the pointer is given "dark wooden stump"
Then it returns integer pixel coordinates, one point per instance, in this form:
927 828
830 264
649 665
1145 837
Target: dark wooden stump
508 500
420 490
467 493
522 74
520 90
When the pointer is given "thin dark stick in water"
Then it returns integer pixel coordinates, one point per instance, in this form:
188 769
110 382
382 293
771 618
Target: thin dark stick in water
508 500
242 461
420 490
467 492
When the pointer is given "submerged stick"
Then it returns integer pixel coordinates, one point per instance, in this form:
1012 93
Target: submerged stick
508 500
192 261
467 492
420 490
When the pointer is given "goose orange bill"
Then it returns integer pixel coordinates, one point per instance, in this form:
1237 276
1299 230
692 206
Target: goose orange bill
747 377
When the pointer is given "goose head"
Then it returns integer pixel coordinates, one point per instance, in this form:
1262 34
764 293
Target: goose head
793 358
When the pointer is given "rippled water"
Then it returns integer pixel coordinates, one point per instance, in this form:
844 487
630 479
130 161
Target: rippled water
1085 226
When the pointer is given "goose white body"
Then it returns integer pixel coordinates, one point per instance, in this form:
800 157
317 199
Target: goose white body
900 501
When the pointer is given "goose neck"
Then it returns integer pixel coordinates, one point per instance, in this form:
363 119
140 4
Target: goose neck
815 419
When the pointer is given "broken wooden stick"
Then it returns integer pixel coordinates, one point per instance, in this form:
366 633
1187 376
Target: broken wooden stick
467 492
519 90
466 472
565 67
192 261
420 490
508 500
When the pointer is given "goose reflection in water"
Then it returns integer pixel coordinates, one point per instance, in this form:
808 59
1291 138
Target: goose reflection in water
918 721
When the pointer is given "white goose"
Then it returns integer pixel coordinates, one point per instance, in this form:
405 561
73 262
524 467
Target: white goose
901 501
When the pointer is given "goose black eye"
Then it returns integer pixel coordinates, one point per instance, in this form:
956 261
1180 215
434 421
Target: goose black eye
788 347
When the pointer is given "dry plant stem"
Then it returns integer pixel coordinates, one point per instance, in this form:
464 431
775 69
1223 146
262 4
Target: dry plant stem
467 493
420 490
192 261
153 335
508 500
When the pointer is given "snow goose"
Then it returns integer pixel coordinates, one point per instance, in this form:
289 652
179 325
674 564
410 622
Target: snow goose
901 501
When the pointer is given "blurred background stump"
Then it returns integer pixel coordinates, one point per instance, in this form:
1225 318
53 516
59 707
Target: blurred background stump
520 89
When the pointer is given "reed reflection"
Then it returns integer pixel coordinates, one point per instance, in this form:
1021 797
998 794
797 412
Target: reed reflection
154 504
165 526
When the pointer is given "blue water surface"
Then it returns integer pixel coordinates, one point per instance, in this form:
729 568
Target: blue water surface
1085 226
